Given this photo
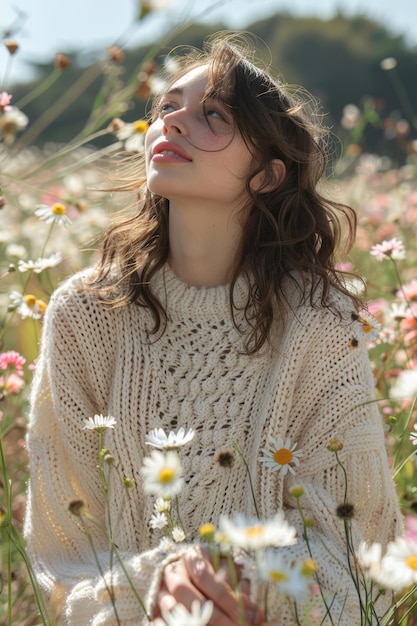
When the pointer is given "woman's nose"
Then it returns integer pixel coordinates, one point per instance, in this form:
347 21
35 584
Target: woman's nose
174 122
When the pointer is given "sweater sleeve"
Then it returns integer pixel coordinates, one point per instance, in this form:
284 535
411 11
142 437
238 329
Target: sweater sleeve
77 569
334 398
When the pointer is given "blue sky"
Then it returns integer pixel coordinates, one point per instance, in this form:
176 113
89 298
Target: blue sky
87 25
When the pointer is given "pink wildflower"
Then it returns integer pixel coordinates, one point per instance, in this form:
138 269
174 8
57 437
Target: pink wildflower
409 290
12 360
11 383
5 101
413 437
410 523
392 249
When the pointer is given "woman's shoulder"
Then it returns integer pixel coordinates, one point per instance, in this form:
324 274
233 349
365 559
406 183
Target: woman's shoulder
77 298
313 298
74 288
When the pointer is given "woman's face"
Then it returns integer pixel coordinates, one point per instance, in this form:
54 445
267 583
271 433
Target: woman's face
194 150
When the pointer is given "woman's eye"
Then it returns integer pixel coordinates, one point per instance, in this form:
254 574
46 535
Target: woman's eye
216 114
166 107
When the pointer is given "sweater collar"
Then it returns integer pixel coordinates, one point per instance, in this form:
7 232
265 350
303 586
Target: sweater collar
182 299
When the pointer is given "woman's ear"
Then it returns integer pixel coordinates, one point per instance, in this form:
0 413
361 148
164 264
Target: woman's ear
270 178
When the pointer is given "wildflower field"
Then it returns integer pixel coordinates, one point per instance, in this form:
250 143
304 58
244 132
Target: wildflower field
53 207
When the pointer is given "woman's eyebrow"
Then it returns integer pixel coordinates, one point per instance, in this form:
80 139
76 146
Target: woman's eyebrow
174 91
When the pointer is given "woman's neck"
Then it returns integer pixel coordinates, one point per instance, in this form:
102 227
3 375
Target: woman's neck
203 245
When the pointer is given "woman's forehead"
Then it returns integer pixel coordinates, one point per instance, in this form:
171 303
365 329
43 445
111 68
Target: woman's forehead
195 79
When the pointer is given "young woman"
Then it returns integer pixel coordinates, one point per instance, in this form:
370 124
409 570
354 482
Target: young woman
216 307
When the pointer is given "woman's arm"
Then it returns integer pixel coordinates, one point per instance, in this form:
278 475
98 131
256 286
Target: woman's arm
71 556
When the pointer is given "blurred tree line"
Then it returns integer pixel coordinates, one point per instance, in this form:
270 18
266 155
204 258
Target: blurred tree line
337 60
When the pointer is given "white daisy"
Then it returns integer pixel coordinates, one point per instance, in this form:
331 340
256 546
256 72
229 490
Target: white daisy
369 556
369 327
40 264
405 385
162 474
166 545
27 305
56 213
175 439
99 423
133 135
16 250
11 122
253 534
161 505
281 455
399 311
179 616
400 563
158 521
178 534
371 564
289 580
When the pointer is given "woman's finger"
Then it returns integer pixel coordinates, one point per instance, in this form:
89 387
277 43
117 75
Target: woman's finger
178 588
213 585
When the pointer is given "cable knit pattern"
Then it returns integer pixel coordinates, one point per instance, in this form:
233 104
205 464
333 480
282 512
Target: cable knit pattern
311 385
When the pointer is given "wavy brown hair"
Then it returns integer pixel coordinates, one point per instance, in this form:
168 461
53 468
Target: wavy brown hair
292 231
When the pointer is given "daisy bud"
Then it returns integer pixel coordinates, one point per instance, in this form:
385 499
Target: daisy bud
225 458
81 206
128 482
297 491
335 445
116 125
62 61
144 80
345 511
76 507
308 522
115 54
11 45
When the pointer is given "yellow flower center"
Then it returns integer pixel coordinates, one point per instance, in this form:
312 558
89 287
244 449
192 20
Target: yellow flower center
207 531
41 305
58 209
207 528
254 531
3 516
278 577
411 561
367 328
283 456
30 300
308 567
165 475
140 126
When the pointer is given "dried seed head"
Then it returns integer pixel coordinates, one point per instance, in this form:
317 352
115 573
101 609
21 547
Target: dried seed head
62 61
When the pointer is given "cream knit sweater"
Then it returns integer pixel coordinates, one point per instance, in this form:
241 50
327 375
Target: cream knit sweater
311 386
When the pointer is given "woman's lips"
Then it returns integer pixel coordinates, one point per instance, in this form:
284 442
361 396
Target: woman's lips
169 152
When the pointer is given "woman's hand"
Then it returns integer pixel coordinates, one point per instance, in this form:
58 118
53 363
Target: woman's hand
193 577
